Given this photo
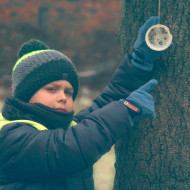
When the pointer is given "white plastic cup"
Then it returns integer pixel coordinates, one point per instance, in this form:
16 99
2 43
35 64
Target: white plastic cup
158 37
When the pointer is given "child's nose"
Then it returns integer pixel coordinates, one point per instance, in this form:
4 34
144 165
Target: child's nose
61 97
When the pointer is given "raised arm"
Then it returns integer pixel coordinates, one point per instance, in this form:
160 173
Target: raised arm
133 72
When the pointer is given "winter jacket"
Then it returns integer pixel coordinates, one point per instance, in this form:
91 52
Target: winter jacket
55 157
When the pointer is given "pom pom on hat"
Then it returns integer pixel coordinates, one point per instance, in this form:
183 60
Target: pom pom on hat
30 46
37 65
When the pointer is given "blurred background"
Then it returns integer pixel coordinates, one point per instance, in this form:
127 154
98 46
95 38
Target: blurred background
84 30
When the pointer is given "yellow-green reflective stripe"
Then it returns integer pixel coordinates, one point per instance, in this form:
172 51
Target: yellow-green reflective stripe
38 126
73 123
26 56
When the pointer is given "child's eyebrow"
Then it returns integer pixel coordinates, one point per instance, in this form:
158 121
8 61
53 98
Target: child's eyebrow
71 89
58 86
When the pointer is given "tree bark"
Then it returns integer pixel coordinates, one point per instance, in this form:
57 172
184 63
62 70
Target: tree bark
156 154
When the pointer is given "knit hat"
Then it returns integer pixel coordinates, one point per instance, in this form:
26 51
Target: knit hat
37 65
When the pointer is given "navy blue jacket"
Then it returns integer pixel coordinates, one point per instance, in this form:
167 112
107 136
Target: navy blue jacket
63 159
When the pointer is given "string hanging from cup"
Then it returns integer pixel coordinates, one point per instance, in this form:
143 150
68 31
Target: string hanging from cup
159 8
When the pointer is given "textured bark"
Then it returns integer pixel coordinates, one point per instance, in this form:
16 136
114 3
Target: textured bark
156 154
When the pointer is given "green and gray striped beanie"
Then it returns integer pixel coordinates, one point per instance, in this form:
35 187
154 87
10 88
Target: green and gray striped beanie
37 65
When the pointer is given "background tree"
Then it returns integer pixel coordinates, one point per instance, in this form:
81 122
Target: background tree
156 154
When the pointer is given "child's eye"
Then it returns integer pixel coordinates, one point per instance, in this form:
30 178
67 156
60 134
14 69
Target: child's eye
51 89
69 93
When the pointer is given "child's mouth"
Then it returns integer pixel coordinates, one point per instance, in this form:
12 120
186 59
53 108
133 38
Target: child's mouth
61 109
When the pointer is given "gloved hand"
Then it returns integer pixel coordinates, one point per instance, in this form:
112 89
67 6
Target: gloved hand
143 56
142 101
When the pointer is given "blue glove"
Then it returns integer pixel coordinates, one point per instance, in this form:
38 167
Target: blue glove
143 57
143 101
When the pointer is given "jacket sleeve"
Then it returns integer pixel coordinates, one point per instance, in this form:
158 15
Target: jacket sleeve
125 80
29 154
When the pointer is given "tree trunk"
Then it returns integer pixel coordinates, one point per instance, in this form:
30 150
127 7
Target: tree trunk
156 154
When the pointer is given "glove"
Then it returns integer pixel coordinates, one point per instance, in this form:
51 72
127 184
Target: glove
143 57
141 103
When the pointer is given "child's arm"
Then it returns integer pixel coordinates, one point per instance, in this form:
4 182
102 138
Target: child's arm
29 154
133 72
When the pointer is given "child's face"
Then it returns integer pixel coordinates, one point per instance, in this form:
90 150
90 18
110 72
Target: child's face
57 95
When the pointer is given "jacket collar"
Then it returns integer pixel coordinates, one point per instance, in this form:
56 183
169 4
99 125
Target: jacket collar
15 109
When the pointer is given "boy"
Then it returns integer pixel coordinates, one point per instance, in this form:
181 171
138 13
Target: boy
39 147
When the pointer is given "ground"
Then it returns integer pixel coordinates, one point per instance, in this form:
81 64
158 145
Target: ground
104 171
